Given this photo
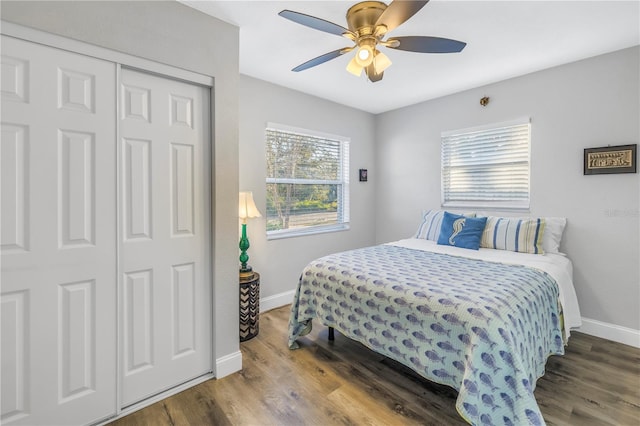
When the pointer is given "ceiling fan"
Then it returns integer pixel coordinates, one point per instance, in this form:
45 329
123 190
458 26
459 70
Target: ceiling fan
369 22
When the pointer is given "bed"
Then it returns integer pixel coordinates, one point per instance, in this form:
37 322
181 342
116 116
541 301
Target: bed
481 321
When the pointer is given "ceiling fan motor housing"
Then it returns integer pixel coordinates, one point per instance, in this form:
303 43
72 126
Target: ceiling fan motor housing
362 17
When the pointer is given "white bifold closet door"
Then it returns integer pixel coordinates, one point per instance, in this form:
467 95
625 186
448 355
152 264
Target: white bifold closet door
164 226
105 285
58 226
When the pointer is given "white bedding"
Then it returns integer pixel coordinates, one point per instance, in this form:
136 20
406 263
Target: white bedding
556 265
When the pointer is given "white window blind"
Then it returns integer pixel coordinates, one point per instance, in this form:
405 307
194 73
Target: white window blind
307 182
487 167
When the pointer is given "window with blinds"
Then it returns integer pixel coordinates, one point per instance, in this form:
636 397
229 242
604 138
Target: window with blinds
487 167
307 182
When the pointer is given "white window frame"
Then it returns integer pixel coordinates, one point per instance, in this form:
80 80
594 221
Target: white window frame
484 134
343 183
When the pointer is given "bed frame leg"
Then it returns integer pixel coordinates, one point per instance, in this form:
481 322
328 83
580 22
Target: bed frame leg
331 335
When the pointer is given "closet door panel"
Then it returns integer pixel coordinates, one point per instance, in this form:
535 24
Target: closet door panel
58 236
164 238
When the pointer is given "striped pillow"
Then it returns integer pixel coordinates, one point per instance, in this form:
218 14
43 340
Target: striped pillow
514 234
429 228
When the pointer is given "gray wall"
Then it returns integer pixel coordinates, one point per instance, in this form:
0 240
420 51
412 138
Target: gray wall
585 104
173 34
280 261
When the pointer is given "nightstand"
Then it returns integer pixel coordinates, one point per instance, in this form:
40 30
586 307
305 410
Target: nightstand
249 306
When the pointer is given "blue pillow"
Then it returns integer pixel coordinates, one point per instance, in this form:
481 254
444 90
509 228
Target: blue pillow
461 231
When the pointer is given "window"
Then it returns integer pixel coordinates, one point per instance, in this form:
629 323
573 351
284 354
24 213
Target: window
307 182
487 167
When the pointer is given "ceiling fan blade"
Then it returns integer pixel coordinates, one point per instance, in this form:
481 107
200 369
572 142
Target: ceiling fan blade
398 12
315 23
371 73
322 59
424 44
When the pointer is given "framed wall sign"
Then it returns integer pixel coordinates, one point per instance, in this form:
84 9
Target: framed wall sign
362 174
610 159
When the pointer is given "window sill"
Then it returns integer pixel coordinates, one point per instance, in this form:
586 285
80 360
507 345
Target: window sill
301 232
523 207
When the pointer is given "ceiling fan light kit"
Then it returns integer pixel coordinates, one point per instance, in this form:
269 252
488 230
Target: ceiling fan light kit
354 67
381 62
369 22
364 55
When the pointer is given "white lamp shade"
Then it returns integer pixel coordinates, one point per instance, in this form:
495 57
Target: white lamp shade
247 207
381 62
354 67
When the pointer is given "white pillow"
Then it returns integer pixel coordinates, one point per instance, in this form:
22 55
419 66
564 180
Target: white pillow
553 234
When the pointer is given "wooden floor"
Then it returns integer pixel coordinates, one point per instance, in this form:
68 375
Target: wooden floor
597 382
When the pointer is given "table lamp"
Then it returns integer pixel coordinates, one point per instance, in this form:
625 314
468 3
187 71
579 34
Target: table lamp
246 210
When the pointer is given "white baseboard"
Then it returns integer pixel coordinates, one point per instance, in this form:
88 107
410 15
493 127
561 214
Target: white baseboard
276 301
233 362
228 364
617 333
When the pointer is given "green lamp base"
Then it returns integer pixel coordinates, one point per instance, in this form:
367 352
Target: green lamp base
245 270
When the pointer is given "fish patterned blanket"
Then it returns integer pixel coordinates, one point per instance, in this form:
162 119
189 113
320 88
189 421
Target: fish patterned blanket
483 328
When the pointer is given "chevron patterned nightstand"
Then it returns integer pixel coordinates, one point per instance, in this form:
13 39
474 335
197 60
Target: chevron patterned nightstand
249 306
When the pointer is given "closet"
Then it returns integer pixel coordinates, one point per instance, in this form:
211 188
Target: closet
106 275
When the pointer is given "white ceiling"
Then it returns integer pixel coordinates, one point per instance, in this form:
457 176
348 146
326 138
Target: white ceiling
504 39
